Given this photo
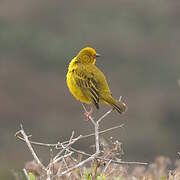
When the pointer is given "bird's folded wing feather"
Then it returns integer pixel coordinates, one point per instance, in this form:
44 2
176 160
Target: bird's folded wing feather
87 82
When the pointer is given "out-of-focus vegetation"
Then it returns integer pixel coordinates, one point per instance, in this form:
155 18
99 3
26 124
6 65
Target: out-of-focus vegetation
159 169
139 42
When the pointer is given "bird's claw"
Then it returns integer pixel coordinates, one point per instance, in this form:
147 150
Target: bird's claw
88 115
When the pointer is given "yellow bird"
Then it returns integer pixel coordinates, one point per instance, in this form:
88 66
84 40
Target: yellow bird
88 84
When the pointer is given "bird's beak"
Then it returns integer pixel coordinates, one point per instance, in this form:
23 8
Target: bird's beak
98 55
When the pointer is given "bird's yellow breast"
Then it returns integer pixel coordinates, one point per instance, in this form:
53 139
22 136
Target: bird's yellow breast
75 90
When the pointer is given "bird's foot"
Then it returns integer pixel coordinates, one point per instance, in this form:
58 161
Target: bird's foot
88 115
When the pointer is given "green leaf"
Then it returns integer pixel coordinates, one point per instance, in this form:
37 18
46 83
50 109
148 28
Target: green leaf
86 176
101 177
31 176
163 178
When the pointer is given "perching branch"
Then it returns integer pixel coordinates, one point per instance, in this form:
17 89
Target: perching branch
66 151
92 157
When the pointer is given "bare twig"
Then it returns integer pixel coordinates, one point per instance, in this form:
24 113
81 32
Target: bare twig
113 161
78 165
96 129
26 174
48 172
71 139
102 117
96 156
34 142
62 157
31 149
103 131
70 143
66 150
107 165
124 162
69 174
111 171
59 145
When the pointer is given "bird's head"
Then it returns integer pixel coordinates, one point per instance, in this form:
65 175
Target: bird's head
87 55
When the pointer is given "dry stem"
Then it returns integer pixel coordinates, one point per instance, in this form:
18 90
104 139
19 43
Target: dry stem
66 150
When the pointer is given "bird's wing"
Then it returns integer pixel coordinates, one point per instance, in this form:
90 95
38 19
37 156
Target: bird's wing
86 81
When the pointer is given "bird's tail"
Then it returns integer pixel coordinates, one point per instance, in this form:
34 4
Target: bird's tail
119 106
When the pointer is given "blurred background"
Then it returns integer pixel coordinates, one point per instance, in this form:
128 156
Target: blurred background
140 46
